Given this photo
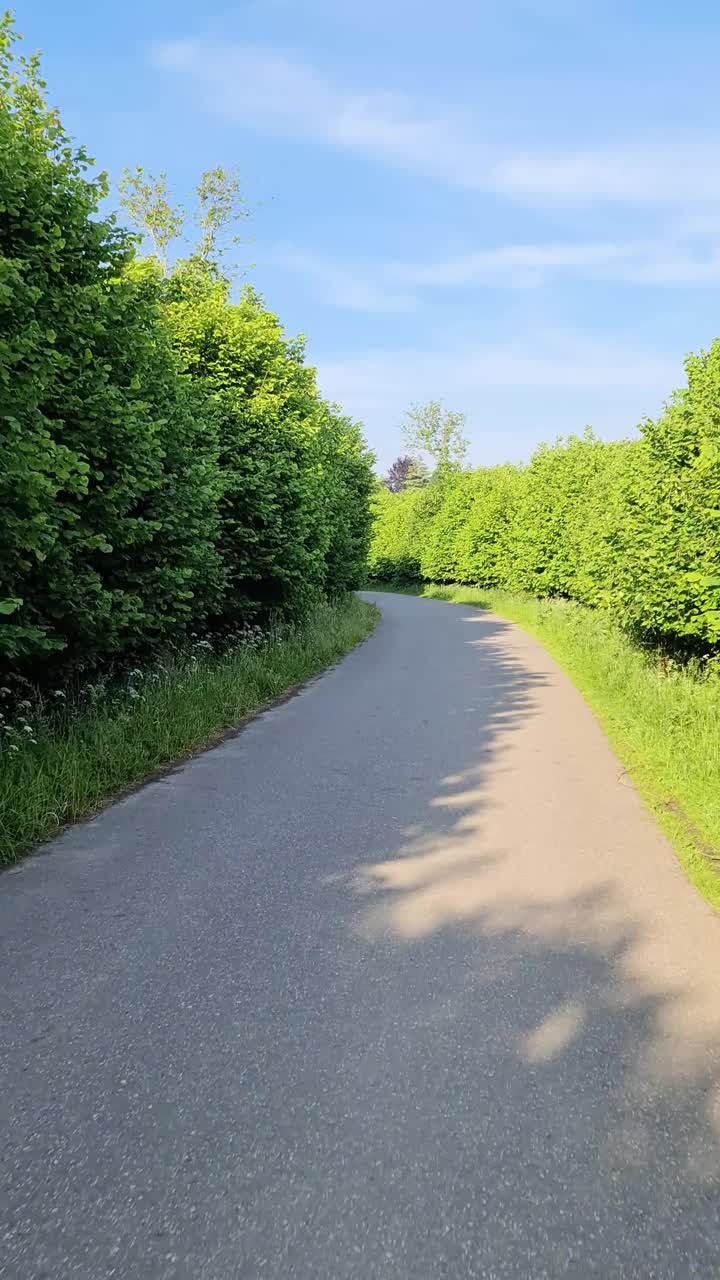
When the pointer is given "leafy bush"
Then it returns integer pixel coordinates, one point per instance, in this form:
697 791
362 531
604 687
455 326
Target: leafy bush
485 540
347 487
296 476
400 521
668 575
166 461
106 459
439 560
633 527
551 509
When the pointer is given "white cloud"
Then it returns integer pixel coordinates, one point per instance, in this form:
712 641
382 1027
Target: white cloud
399 286
514 394
682 171
271 92
263 89
374 11
558 362
342 286
512 265
670 262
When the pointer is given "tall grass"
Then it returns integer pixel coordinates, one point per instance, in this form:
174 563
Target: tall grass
62 758
662 718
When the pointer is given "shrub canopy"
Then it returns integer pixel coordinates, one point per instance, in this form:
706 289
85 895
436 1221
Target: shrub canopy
166 460
630 526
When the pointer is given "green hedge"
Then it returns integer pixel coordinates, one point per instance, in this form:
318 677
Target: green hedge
633 527
296 477
166 460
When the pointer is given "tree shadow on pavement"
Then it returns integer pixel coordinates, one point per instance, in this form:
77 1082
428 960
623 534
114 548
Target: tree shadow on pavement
558 1034
403 984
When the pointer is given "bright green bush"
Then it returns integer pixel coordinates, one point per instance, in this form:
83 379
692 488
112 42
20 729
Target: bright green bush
107 489
166 461
668 573
400 526
485 544
439 560
272 534
596 527
296 476
347 487
633 527
392 556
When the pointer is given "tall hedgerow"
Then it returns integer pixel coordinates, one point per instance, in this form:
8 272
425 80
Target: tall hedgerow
401 522
166 459
485 544
552 503
296 476
439 547
630 526
348 483
668 539
107 480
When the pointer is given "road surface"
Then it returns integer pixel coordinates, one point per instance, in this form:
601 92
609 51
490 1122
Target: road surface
401 982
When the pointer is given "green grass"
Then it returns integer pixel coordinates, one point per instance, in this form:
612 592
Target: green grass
662 720
59 766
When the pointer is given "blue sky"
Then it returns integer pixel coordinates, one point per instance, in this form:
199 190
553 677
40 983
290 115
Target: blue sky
514 207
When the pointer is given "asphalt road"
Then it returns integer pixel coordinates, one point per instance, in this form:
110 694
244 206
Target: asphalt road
401 982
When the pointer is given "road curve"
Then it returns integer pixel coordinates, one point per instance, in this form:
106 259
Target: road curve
401 982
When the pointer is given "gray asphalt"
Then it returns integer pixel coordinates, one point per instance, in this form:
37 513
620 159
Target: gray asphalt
402 981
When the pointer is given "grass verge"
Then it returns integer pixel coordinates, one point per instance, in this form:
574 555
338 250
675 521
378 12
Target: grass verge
59 766
662 720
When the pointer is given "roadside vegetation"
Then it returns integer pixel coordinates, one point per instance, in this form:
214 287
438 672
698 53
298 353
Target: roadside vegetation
68 752
171 480
609 553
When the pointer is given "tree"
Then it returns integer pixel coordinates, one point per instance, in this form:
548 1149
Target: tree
438 432
397 476
418 475
406 472
146 200
220 205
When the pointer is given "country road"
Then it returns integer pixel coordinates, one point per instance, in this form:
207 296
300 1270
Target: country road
401 982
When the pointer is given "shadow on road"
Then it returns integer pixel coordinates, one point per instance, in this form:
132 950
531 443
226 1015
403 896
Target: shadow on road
562 1027
400 983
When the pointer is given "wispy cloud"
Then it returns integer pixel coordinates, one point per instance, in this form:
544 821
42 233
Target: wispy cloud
669 172
274 93
688 261
514 393
265 90
372 11
559 361
678 261
337 285
513 266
